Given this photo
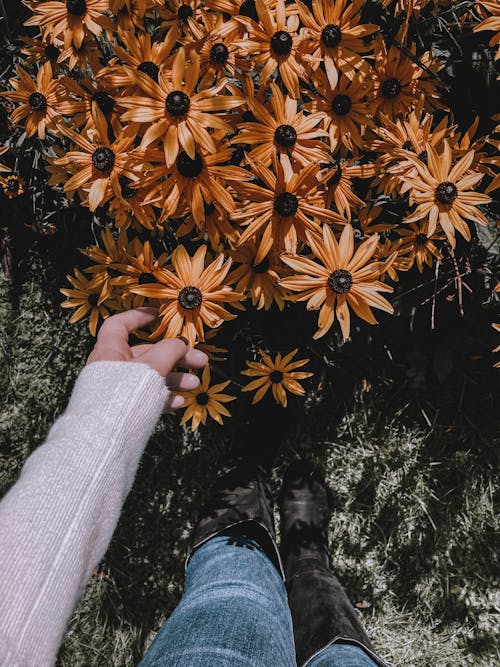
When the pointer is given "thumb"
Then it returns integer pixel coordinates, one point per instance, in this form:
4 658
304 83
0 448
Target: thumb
165 355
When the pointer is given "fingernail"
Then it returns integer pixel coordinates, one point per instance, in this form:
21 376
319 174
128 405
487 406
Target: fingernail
184 340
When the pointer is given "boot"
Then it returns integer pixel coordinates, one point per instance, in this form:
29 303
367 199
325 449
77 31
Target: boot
241 500
321 611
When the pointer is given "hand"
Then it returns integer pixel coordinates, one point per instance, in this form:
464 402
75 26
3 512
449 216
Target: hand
163 356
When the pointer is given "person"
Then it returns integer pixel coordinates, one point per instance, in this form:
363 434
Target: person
246 602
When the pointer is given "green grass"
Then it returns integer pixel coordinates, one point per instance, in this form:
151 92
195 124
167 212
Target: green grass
410 464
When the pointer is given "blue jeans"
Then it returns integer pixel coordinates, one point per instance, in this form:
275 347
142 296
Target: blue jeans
234 613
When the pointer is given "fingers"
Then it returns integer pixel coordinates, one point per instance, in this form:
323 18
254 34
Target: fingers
165 355
117 328
194 359
173 403
182 381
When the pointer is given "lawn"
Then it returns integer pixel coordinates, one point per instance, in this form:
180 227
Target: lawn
408 440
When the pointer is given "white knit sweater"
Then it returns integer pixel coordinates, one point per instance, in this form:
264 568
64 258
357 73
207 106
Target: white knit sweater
57 520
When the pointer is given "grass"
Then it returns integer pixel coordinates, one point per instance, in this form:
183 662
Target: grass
411 465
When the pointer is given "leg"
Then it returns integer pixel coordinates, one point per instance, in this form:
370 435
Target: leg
234 612
321 611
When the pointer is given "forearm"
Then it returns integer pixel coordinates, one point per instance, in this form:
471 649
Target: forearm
58 519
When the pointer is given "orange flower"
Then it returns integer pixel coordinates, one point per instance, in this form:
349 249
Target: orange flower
282 209
174 112
40 100
280 375
337 177
418 247
282 131
273 44
344 108
344 279
84 297
69 19
99 164
442 193
205 401
335 38
398 82
192 296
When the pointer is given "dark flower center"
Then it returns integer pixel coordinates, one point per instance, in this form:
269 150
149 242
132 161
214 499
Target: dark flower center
237 155
37 101
51 52
341 105
202 398
285 136
219 53
407 146
391 88
184 12
262 267
340 281
286 204
146 278
177 103
112 273
446 192
190 297
276 377
93 299
423 156
150 69
103 159
420 239
249 9
335 178
331 36
127 191
12 185
76 7
187 167
281 43
104 101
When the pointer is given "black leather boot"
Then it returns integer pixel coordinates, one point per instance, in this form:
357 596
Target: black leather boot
241 501
321 611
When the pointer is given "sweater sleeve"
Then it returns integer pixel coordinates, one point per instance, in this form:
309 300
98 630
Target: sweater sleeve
57 520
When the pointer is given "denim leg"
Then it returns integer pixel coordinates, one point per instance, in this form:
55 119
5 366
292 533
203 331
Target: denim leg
342 655
234 612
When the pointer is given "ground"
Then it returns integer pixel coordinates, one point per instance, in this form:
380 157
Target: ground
410 463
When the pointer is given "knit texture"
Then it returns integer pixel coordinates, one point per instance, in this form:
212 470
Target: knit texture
57 520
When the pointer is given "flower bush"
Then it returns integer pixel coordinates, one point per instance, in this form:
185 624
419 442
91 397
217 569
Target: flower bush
237 157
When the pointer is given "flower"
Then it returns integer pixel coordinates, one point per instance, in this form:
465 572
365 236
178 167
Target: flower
205 401
273 44
283 131
192 296
71 20
334 37
12 185
442 193
129 209
194 184
279 374
180 17
343 280
128 15
84 297
82 97
40 100
281 210
100 163
344 108
259 281
398 81
174 112
215 226
418 247
40 51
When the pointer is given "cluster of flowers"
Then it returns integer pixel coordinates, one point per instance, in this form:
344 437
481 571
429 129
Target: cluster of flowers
241 126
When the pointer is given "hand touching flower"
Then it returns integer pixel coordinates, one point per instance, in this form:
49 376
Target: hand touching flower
164 356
